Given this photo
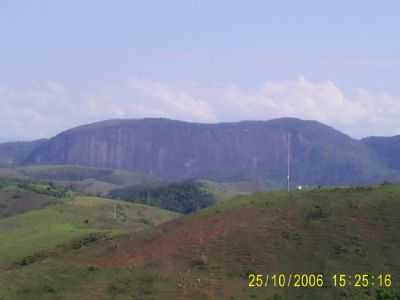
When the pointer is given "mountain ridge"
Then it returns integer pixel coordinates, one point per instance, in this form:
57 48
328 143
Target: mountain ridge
14 153
386 148
224 151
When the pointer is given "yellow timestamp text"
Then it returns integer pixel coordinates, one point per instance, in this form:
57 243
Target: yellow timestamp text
319 280
362 280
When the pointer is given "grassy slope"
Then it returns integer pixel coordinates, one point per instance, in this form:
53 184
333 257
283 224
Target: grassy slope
27 234
182 197
15 201
207 255
227 190
21 196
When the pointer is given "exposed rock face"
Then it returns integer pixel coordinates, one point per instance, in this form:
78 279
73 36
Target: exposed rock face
387 149
248 149
12 154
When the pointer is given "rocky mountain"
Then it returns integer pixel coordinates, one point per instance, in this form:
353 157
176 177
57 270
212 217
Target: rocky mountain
387 149
12 154
320 155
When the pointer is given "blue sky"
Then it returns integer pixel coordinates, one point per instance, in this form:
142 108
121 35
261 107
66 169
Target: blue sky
64 63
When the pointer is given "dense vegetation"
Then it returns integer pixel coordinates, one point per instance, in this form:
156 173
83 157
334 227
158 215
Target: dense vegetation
185 197
49 189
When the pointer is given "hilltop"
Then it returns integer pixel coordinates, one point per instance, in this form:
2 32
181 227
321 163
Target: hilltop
386 148
18 196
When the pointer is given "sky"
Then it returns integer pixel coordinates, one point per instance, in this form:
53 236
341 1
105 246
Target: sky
70 62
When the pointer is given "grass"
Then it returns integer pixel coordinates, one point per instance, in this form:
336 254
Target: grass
325 231
227 190
207 255
21 196
32 232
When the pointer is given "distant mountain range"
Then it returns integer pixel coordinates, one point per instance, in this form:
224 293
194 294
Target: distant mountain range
12 154
247 150
387 149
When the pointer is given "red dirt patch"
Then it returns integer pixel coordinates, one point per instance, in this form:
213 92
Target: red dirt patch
179 237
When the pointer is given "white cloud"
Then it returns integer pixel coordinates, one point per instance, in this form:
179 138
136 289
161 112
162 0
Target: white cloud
47 108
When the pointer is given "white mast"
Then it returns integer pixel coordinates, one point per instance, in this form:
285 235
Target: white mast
288 164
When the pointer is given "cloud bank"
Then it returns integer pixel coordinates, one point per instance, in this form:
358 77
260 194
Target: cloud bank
46 108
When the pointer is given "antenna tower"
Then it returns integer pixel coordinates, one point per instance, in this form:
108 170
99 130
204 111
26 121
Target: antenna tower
288 162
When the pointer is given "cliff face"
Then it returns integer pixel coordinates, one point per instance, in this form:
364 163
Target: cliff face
387 149
249 149
12 154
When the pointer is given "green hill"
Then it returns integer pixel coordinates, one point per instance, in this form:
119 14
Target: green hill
18 196
29 235
210 254
183 197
